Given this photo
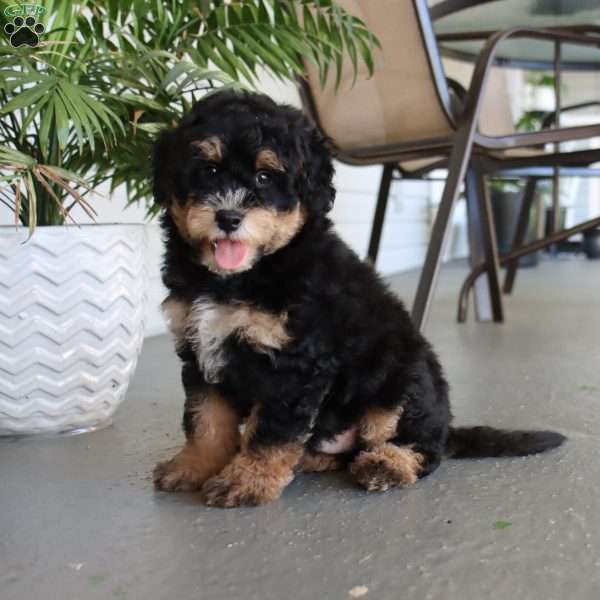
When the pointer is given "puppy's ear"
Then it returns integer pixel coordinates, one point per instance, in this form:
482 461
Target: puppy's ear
315 184
164 172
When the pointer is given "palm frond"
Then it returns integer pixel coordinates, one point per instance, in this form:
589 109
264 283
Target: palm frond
20 171
85 105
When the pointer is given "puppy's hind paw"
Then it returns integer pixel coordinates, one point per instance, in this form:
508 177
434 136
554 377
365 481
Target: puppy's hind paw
386 467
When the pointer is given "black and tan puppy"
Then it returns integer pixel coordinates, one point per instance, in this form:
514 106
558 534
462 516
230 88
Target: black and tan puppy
280 326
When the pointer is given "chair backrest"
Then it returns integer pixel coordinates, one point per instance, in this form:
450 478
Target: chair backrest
406 100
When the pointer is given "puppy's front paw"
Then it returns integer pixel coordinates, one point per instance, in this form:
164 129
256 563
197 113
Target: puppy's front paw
177 475
219 491
242 485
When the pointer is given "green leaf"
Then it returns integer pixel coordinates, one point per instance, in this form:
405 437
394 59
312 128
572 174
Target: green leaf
264 54
207 48
351 49
229 63
28 97
309 21
178 70
68 175
139 101
366 54
62 121
10 156
9 79
46 123
80 119
32 202
247 56
75 118
104 62
502 524
104 113
263 13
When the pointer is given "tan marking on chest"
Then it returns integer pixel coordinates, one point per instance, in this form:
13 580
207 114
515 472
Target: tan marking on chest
209 324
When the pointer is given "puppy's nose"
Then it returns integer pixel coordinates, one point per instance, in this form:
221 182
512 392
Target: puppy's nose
228 220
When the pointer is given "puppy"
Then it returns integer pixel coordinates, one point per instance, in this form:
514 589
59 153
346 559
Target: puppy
279 325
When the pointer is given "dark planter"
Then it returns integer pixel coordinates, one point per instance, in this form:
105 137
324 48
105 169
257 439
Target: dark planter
506 206
591 243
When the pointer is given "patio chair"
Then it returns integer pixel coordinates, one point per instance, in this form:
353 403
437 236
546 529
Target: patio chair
406 112
496 119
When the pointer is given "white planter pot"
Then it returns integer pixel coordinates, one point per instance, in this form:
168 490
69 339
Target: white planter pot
71 325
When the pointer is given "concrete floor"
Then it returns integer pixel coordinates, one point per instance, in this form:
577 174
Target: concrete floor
79 518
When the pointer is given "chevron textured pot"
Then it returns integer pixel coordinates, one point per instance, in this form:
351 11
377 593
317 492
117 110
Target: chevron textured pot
71 325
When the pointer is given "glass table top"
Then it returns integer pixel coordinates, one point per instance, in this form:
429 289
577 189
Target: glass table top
482 15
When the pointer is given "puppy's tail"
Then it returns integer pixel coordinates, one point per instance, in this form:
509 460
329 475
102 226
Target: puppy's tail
480 442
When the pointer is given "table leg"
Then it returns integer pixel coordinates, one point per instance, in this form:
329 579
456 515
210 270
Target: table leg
556 224
483 248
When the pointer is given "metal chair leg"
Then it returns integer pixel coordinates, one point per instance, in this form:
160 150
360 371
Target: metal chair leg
483 217
460 157
457 164
481 289
520 232
380 208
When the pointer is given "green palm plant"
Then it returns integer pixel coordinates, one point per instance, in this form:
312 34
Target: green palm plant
83 106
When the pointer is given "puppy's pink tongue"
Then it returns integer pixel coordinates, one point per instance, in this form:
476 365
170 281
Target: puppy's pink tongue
230 254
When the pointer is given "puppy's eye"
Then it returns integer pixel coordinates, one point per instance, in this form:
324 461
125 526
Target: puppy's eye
263 178
210 171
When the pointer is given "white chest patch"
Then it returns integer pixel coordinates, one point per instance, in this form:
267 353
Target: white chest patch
209 324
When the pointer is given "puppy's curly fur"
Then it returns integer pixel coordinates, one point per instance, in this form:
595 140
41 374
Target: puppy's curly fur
280 325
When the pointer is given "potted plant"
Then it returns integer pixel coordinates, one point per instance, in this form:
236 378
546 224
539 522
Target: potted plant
84 87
